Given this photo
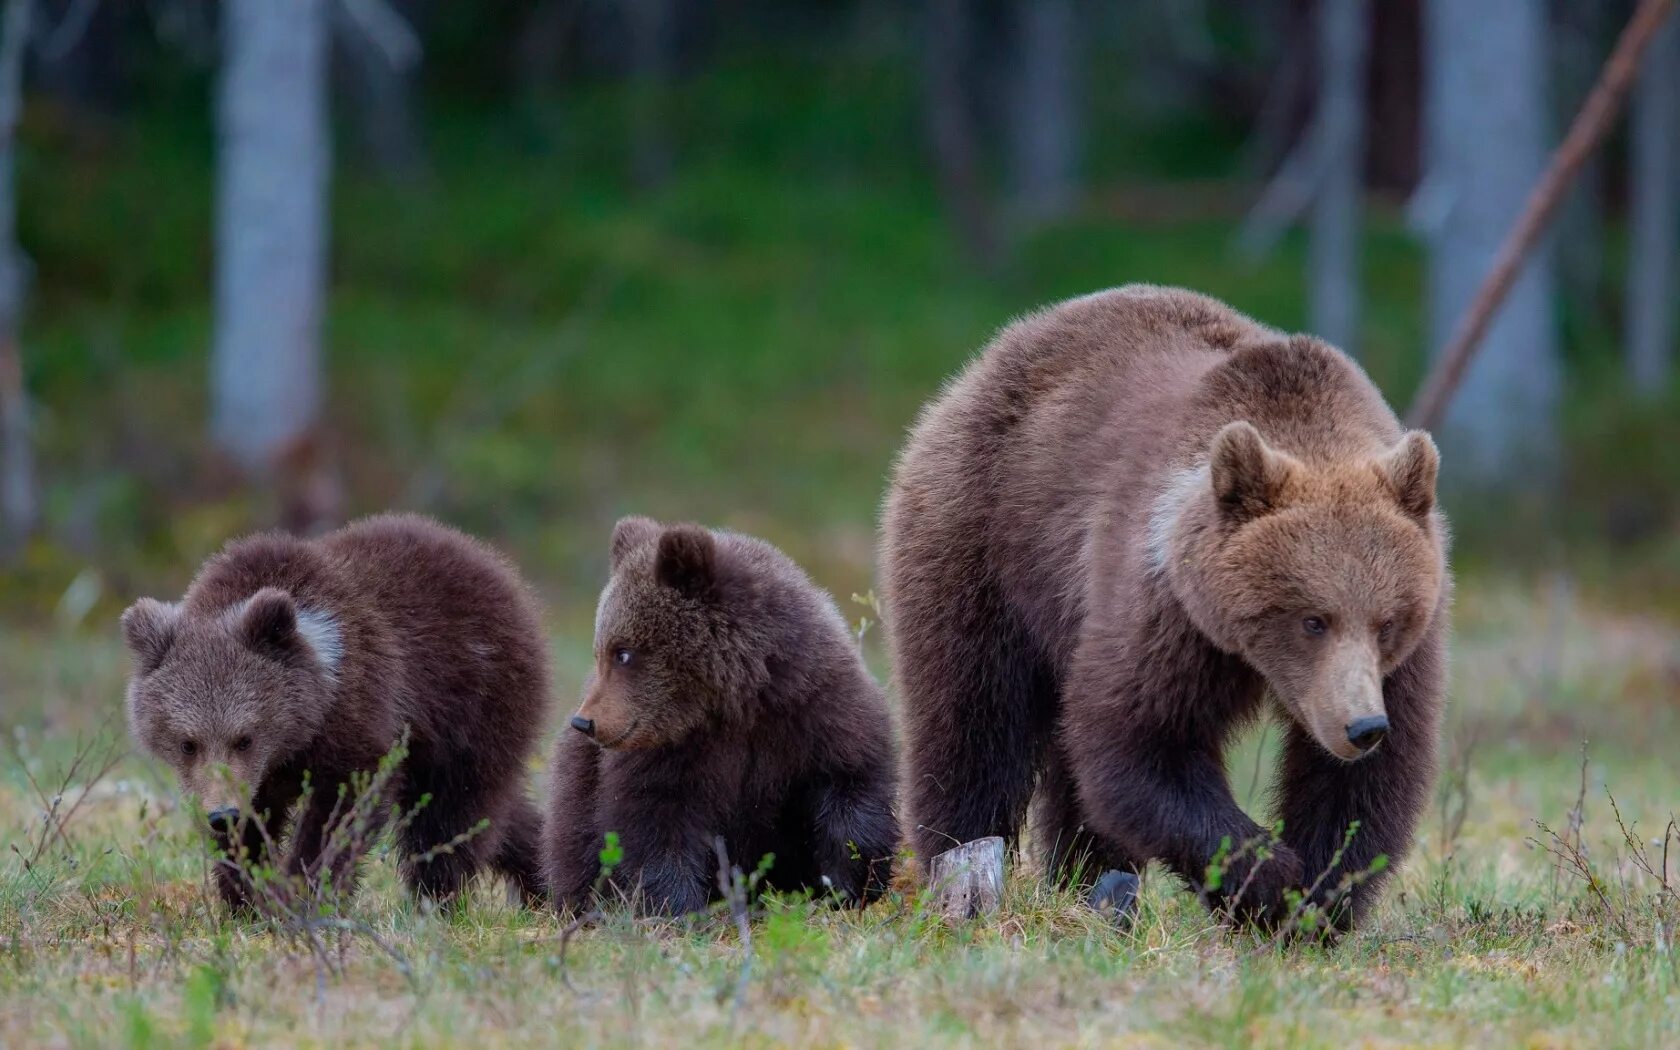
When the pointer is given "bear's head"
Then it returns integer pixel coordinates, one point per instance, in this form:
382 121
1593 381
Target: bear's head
672 651
225 697
1322 576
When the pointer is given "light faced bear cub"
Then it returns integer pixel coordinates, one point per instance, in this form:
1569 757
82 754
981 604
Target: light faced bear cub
290 657
728 699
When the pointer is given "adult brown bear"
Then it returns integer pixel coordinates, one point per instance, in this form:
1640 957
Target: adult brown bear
1128 520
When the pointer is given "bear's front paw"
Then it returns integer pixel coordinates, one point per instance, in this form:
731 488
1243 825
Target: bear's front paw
1255 889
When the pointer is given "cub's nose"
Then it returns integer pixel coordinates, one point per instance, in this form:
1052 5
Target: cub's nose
224 819
586 726
1366 733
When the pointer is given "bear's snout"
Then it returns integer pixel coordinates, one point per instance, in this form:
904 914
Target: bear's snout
586 726
1367 733
224 819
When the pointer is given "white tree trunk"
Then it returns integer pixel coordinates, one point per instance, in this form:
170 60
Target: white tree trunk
1343 34
1653 294
271 227
19 506
1485 120
1044 115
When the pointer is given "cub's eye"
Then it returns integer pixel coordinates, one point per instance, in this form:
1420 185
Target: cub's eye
1386 630
242 744
1314 625
189 748
623 657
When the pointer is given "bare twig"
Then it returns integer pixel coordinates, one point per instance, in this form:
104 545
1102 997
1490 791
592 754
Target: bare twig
55 816
735 888
1590 126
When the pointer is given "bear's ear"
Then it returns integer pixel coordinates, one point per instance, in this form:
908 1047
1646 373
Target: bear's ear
687 560
149 629
269 623
1248 476
1410 470
629 534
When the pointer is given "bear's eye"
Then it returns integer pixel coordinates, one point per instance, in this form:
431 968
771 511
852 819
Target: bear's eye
623 657
1386 630
189 748
242 744
1314 625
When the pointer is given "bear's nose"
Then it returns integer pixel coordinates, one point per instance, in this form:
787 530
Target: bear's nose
1366 733
586 726
224 819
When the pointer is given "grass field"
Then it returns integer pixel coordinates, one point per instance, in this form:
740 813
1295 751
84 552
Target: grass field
108 937
523 345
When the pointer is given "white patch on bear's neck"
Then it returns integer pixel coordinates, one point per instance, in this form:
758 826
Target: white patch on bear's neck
324 635
1182 486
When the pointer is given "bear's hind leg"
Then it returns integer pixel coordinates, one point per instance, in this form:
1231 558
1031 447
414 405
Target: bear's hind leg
519 853
856 835
1072 854
978 700
442 846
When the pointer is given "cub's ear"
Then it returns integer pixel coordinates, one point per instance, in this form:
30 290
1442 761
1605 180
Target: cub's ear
1410 470
629 534
687 560
1248 475
149 629
269 623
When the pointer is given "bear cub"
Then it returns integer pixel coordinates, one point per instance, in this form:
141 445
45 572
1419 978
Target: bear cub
291 660
728 699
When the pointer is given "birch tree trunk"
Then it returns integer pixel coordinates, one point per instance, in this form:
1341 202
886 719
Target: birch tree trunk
1653 294
1044 110
19 505
271 229
1485 117
1333 266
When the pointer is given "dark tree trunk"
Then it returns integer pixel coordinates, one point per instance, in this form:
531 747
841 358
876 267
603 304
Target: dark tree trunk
950 92
1044 109
1653 293
19 503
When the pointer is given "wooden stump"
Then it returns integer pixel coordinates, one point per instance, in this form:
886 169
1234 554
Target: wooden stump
968 881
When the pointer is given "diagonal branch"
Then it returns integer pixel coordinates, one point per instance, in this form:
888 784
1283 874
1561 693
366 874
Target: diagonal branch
1585 135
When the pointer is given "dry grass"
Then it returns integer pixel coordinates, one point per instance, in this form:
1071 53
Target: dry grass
1501 931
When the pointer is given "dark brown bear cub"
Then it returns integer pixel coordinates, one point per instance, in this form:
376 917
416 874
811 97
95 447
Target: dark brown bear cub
291 658
1135 522
728 699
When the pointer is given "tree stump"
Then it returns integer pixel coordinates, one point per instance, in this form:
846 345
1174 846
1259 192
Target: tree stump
1115 896
968 881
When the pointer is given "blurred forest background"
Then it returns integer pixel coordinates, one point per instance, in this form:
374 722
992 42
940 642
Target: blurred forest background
531 265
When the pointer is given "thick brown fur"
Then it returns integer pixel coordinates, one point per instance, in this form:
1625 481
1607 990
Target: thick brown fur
728 699
292 657
1109 539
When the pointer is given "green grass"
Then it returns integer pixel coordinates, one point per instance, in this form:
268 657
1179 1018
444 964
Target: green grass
527 348
111 938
